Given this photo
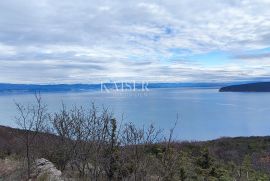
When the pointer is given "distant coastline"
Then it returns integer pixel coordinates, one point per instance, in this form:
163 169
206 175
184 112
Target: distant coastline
47 88
250 87
31 88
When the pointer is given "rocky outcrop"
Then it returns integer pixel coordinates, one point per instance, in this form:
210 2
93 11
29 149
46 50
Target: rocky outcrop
45 170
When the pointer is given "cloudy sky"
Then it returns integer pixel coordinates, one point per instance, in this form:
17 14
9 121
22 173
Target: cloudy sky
88 41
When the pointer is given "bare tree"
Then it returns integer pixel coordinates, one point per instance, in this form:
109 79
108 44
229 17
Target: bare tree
63 125
135 143
31 120
169 157
94 145
99 124
93 134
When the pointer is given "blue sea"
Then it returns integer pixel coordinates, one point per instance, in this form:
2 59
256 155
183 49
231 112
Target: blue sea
200 113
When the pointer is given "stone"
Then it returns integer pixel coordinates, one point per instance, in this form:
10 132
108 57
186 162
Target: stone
45 170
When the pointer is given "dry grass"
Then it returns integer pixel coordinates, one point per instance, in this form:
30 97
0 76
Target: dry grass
11 169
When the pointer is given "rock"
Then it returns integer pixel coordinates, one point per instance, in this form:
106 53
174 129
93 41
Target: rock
45 170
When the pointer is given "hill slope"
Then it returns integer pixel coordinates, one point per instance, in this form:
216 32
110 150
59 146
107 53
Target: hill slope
225 149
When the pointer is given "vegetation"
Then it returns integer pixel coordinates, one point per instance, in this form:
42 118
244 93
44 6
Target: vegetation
89 144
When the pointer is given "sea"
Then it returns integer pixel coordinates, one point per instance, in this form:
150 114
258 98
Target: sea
195 114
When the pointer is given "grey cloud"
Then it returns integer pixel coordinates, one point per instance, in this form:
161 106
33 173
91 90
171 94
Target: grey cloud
253 56
98 40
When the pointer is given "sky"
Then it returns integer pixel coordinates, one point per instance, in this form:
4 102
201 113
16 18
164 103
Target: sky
92 41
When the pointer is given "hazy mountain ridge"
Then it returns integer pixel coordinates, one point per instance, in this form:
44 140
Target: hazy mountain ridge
6 87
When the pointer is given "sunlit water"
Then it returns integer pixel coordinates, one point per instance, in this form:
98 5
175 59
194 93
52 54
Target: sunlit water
202 113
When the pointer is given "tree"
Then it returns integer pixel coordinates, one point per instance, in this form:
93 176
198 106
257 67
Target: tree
246 165
136 143
169 157
31 119
63 125
182 175
111 149
205 163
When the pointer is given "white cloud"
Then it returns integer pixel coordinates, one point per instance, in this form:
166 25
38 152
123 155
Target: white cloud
7 50
91 41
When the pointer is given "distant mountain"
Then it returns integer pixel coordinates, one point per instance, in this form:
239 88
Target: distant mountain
29 88
47 88
250 87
